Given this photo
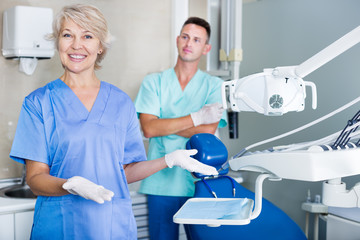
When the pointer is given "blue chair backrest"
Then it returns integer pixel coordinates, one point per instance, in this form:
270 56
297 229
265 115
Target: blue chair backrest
211 151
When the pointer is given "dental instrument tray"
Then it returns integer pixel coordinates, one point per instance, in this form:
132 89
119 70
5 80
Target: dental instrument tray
305 165
215 211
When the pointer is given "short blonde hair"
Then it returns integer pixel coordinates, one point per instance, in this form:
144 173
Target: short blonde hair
87 17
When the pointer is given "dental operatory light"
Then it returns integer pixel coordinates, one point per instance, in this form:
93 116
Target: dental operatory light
268 94
279 90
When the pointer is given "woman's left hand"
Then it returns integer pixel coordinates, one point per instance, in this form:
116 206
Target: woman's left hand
182 159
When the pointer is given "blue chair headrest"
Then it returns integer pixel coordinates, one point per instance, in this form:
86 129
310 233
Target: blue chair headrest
211 151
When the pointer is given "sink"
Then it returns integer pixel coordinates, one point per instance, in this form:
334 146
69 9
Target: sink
17 191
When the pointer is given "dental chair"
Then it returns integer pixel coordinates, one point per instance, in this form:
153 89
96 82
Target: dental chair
272 223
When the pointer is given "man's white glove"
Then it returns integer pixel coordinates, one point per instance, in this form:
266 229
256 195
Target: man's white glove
182 159
210 113
87 189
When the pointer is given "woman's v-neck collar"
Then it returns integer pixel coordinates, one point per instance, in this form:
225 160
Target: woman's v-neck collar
74 102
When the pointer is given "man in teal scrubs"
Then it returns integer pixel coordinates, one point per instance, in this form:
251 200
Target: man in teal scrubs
172 106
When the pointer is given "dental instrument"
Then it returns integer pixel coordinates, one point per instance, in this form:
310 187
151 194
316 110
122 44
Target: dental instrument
213 192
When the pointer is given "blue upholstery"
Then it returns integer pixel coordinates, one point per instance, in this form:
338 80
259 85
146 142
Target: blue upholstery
272 223
211 151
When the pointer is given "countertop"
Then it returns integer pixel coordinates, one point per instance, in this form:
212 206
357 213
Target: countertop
11 205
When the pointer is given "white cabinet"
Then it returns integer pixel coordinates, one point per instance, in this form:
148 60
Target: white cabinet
7 226
23 224
16 226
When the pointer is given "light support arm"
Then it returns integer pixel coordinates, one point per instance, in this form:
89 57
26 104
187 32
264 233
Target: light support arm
324 56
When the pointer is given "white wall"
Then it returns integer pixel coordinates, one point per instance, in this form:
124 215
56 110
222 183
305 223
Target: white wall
288 32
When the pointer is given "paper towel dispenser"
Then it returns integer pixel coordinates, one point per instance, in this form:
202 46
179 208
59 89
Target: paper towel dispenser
24 32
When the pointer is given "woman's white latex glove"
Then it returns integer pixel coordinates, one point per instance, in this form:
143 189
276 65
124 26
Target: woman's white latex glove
182 159
87 189
210 113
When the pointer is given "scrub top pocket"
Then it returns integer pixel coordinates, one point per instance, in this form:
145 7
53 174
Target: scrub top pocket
48 220
123 226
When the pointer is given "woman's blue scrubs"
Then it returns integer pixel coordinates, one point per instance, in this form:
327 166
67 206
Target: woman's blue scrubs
55 128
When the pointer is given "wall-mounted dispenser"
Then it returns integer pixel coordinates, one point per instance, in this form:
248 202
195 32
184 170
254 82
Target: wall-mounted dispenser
24 35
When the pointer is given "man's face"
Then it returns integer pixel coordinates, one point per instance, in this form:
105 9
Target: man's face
191 43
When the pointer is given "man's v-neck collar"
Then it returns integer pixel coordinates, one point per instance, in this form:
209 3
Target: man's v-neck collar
188 85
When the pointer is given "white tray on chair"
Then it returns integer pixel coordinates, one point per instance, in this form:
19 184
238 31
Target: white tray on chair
215 211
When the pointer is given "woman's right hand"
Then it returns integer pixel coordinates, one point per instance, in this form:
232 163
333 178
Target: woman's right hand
81 186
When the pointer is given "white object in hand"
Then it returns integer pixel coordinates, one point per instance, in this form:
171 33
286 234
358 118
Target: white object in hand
182 159
210 113
87 189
